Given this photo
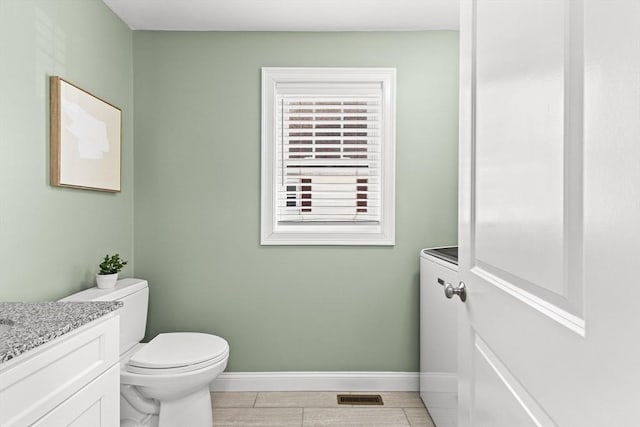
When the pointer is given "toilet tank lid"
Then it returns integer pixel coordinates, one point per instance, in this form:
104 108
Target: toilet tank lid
122 288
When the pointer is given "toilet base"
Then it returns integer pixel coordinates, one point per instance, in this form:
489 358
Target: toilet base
131 417
193 410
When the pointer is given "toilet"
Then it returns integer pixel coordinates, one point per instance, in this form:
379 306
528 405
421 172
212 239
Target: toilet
164 383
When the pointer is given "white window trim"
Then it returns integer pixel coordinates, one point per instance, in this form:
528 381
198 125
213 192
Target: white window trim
272 233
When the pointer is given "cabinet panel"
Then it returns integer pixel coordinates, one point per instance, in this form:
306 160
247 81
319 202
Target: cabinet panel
438 318
96 405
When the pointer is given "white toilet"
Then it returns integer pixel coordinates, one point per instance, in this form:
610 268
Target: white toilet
164 383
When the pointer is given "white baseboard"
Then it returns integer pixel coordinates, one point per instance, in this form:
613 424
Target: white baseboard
317 381
439 382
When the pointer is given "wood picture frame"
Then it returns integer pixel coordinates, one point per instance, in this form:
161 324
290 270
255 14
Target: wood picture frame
86 139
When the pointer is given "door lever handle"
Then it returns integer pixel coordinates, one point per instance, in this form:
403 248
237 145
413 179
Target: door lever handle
460 290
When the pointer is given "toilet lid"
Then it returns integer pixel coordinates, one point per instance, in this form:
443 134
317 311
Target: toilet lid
180 349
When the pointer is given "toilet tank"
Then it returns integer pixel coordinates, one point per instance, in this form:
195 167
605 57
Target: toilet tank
134 293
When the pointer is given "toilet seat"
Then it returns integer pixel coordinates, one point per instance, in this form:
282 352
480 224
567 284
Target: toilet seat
178 352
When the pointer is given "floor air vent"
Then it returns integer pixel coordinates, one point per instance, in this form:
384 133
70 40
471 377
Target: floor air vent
360 399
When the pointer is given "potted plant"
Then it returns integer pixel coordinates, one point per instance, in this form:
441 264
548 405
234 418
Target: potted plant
109 269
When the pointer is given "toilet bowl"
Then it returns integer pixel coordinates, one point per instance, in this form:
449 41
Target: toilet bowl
175 371
166 382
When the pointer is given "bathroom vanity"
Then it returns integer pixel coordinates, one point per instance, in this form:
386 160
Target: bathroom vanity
59 364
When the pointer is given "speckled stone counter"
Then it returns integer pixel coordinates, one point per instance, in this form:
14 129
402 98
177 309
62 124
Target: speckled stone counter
25 325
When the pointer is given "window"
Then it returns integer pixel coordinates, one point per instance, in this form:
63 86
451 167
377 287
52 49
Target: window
328 156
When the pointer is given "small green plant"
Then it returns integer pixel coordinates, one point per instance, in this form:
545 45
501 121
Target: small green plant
111 264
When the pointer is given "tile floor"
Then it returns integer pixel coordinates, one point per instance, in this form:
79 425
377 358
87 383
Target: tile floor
283 409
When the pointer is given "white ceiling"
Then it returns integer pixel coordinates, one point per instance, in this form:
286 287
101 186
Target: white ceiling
287 15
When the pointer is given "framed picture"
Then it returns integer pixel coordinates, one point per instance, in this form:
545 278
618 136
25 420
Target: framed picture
86 139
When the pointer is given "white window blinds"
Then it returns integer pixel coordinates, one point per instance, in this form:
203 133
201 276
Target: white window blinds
328 158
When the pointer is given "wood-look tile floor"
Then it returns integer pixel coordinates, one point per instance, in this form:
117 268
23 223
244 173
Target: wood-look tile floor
306 409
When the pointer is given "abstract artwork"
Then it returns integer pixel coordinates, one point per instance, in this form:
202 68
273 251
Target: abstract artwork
86 139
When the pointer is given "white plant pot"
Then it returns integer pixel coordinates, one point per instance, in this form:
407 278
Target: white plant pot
106 281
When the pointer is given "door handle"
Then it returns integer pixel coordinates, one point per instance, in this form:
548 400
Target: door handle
460 290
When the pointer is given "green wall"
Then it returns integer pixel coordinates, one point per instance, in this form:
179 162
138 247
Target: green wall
51 239
197 181
197 205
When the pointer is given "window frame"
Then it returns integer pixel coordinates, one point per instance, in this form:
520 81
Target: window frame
347 233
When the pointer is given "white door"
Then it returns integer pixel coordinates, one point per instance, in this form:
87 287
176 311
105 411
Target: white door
550 213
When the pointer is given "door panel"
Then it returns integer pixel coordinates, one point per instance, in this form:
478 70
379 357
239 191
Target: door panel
520 123
549 173
528 150
500 399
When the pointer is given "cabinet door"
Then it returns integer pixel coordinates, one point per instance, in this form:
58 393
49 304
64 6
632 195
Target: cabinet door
96 405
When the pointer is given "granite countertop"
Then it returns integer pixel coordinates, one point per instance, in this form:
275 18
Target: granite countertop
27 325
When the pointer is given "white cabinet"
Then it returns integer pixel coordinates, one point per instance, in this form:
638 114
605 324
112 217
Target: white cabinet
71 380
438 339
96 404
